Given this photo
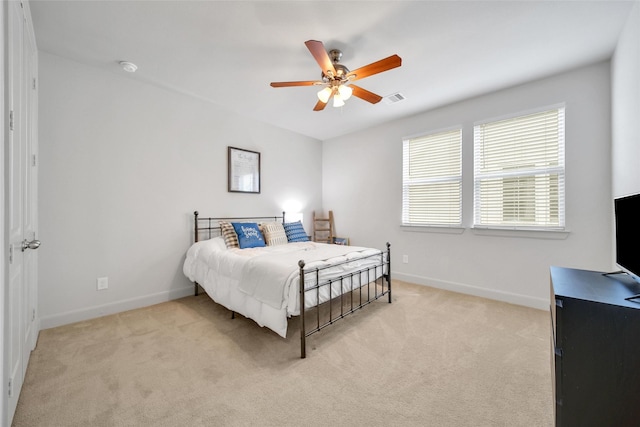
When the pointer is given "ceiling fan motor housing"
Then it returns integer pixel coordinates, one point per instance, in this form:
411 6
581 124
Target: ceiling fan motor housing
341 70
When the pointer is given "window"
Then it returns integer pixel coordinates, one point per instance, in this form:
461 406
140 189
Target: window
432 179
519 172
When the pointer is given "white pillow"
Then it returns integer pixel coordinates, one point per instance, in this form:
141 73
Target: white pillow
274 233
217 243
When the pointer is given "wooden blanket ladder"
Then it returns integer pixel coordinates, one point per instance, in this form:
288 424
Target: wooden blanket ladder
323 228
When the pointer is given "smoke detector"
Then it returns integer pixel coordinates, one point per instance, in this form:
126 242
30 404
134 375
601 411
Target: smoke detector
129 67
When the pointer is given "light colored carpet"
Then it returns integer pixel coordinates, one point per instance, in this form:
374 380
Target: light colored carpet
431 358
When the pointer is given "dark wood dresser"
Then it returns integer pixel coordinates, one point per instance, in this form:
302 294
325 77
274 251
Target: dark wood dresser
595 348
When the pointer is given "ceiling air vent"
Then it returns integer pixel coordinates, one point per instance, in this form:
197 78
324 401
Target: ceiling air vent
396 97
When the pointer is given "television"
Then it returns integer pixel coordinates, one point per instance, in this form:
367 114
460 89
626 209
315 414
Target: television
627 216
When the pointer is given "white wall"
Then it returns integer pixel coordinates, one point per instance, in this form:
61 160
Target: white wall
625 77
123 165
362 184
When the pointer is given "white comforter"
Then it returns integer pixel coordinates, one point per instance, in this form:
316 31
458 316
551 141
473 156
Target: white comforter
263 283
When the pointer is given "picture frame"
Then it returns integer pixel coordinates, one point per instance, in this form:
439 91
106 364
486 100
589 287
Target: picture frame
341 241
244 170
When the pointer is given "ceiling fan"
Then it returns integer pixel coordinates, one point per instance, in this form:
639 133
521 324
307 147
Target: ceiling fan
336 78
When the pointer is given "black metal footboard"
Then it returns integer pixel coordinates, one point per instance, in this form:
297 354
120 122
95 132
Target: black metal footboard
352 291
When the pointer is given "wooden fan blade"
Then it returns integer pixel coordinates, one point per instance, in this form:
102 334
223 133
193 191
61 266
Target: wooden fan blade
289 84
321 56
385 64
365 94
319 106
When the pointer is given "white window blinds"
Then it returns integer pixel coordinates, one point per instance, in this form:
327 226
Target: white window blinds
432 179
519 172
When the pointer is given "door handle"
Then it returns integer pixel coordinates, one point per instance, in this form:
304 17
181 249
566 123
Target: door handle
34 244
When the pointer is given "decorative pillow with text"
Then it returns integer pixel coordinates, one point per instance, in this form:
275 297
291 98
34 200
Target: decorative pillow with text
249 235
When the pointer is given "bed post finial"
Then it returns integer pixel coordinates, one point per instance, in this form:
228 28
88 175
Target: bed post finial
283 221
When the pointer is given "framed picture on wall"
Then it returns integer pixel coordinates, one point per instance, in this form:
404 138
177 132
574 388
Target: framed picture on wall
244 170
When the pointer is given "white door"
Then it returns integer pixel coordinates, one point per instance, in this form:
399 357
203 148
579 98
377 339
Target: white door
15 162
20 316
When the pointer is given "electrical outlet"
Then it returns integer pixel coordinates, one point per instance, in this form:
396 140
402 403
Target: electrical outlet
405 259
103 283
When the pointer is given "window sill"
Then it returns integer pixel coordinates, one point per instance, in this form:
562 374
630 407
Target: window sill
433 229
527 233
487 231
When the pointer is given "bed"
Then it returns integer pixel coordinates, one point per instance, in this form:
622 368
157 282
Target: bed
264 282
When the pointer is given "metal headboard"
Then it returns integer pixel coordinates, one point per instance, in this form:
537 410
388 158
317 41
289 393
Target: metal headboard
210 227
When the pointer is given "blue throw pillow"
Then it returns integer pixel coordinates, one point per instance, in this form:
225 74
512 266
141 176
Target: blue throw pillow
249 235
295 232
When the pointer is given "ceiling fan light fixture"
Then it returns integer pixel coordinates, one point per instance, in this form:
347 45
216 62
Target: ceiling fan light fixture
337 100
325 94
345 92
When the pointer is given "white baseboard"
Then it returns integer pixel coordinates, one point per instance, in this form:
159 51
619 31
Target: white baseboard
47 322
524 300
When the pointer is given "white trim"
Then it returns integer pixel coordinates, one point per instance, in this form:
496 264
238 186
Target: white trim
47 322
533 233
433 228
523 300
5 241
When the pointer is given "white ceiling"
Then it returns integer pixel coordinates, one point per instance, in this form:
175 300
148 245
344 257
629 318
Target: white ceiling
227 52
